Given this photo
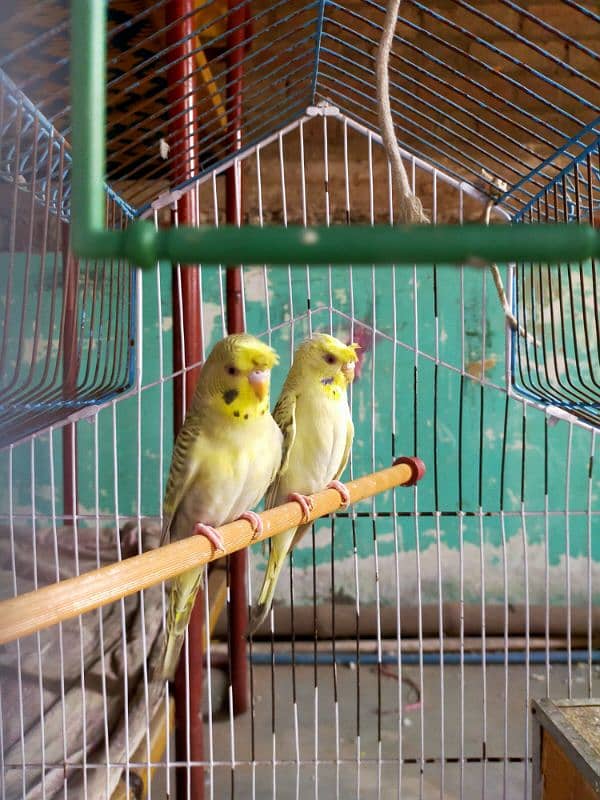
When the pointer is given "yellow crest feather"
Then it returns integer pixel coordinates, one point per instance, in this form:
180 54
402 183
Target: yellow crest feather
325 343
245 351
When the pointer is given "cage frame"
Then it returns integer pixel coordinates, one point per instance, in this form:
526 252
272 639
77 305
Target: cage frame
173 199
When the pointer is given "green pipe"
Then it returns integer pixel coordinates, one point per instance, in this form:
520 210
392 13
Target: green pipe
88 123
356 244
361 244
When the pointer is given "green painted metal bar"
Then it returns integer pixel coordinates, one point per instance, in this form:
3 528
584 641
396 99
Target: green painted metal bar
474 244
143 245
88 124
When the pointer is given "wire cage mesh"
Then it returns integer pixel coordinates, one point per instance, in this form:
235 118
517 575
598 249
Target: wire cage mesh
66 339
510 89
411 631
558 304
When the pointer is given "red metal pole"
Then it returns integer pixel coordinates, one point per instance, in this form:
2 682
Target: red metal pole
238 605
187 349
70 369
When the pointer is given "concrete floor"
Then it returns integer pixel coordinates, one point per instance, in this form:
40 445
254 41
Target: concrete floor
319 753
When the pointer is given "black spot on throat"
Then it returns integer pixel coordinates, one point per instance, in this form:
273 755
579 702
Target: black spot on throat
230 395
236 413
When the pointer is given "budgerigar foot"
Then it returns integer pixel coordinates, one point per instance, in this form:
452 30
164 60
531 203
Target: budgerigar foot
341 489
255 521
212 534
305 502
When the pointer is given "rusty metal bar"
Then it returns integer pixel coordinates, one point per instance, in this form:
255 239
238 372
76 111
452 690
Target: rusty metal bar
187 350
70 370
237 566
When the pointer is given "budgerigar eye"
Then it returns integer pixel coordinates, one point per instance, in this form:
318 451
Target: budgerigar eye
232 371
330 359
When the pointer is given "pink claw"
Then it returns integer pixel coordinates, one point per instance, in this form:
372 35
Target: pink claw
255 521
341 488
212 534
305 502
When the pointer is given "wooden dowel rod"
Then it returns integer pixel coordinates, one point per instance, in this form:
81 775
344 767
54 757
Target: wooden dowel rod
31 612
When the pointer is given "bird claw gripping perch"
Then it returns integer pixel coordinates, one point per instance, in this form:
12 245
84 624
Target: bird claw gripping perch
305 502
342 491
212 534
256 522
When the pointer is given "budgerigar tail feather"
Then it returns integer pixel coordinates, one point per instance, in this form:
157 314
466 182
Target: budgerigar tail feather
280 546
174 643
263 606
181 601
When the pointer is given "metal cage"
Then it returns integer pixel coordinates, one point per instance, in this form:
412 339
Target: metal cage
411 631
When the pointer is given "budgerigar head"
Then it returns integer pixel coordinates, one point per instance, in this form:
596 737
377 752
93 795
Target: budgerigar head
327 359
236 377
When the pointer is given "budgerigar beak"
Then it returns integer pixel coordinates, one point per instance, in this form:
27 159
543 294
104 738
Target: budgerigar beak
259 380
348 371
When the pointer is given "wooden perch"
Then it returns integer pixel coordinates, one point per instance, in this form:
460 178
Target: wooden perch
27 613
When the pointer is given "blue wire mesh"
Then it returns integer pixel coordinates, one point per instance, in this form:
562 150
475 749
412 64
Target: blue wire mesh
30 153
558 305
67 327
507 89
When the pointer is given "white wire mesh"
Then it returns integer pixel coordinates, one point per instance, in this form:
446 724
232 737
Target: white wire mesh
397 659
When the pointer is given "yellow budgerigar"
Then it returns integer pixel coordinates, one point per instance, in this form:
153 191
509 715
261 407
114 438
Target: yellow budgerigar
227 453
314 417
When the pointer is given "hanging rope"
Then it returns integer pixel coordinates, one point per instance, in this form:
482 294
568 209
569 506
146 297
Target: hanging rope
410 208
496 187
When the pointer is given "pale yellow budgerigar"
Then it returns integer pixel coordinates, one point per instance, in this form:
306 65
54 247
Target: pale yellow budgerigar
227 453
314 417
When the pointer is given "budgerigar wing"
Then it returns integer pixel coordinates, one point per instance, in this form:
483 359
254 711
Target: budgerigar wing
183 473
284 415
346 455
347 449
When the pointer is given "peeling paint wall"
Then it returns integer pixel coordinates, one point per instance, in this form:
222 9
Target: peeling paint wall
477 450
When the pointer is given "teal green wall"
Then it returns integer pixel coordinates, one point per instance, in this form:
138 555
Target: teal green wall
476 447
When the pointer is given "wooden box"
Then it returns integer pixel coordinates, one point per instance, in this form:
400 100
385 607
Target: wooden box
566 749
